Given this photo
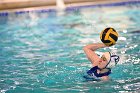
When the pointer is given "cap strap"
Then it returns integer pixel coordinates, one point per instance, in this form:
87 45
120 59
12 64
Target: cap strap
109 60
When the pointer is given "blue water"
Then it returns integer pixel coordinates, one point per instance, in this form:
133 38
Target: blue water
42 52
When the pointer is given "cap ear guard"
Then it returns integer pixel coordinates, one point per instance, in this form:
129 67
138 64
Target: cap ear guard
114 59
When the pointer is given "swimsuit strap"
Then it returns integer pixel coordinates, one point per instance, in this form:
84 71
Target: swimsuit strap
103 74
94 71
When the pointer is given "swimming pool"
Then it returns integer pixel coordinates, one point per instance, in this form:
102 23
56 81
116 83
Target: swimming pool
41 51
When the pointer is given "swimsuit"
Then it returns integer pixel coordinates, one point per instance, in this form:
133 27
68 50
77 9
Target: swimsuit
92 73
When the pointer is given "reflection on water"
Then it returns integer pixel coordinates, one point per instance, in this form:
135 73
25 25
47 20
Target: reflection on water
42 52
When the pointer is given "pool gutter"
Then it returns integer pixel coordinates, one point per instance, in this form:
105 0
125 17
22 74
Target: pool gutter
26 5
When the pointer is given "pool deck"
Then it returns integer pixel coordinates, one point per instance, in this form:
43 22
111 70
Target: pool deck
15 5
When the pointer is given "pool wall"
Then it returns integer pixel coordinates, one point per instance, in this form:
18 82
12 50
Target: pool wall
16 4
71 6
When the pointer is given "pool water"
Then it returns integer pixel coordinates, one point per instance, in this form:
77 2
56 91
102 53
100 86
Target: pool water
41 52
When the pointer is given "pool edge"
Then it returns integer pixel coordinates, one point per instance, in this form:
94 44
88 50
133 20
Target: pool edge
70 6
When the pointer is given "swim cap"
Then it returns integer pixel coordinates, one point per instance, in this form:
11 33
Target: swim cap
112 59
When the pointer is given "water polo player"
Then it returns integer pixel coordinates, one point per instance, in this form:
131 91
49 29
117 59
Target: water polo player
101 66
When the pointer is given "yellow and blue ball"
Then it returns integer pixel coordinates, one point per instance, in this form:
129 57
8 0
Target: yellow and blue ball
109 36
